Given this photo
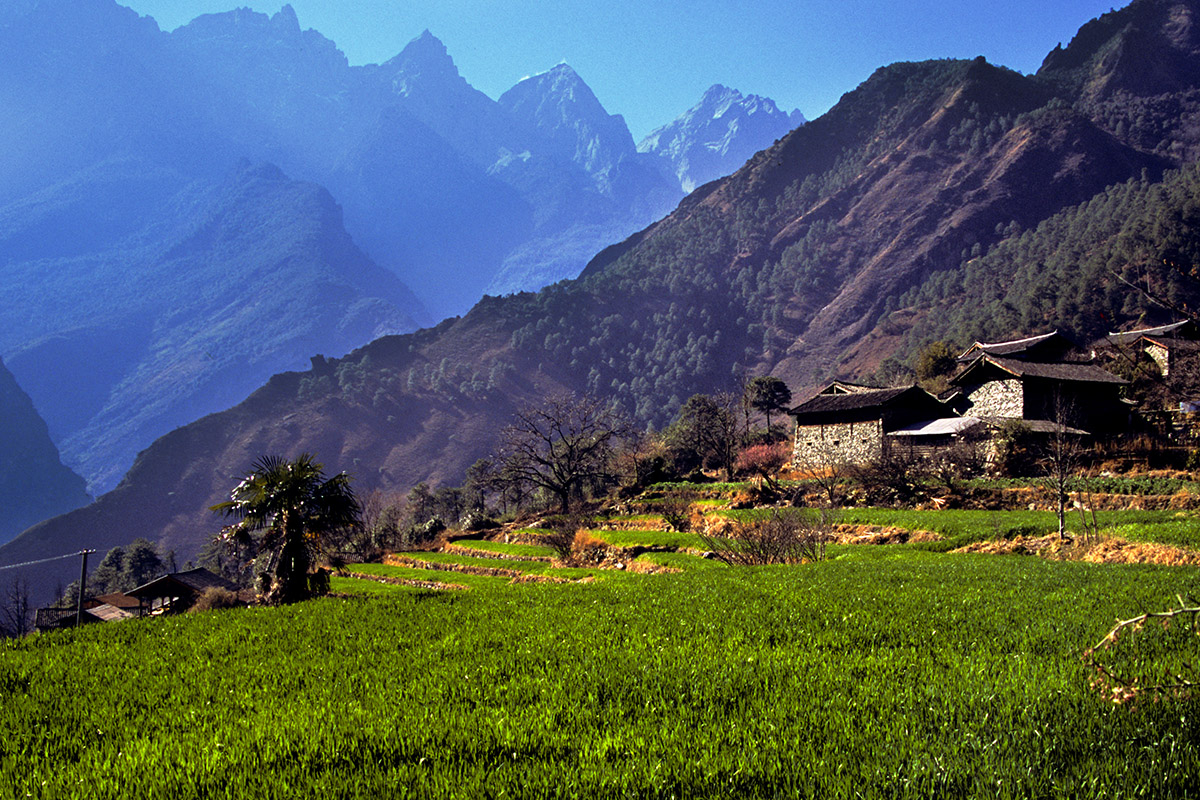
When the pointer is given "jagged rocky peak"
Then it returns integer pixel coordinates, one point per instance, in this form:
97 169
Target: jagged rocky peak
716 136
561 107
245 22
722 102
423 64
248 36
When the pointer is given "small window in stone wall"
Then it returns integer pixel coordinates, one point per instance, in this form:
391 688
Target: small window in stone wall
836 443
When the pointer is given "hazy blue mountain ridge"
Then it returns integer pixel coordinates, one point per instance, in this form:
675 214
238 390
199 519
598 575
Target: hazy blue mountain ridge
155 326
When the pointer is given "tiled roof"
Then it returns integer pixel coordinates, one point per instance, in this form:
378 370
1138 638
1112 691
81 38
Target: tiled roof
845 387
1009 348
870 398
1177 345
119 600
1172 331
198 580
1058 371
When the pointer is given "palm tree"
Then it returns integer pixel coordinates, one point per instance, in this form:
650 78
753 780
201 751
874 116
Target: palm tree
285 511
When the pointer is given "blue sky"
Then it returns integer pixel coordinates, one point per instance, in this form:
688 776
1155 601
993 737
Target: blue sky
651 60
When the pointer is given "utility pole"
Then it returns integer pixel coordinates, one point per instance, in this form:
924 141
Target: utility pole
82 586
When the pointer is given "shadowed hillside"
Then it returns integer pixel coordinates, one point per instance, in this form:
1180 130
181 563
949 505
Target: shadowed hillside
34 484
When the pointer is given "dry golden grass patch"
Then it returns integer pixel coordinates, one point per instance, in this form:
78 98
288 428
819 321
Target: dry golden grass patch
845 533
1106 551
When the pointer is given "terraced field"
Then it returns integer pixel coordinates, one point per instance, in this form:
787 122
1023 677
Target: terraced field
486 670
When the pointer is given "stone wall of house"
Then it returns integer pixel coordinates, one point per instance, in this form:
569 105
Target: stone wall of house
997 399
1161 356
837 443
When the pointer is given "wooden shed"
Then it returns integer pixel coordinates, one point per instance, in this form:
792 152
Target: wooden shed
177 591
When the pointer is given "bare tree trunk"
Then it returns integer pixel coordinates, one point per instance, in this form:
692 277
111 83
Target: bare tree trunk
15 611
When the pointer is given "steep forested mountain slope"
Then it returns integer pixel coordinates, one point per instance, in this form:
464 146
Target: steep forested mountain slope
852 240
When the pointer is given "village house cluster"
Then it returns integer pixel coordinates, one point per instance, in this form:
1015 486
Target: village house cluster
1047 384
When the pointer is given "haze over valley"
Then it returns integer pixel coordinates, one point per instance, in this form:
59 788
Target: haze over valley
939 200
239 198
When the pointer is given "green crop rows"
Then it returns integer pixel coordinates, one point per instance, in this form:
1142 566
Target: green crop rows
884 672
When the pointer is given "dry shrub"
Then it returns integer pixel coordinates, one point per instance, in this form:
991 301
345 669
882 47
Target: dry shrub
215 597
587 550
1119 551
1106 551
741 499
563 528
1017 546
717 527
676 512
699 519
790 536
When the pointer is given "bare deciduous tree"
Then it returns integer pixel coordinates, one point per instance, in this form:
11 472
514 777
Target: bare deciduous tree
824 465
16 613
1152 654
563 447
1060 455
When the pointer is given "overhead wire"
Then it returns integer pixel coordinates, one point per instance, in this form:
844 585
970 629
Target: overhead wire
76 554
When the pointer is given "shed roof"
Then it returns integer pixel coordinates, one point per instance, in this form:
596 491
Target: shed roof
947 426
110 613
1035 425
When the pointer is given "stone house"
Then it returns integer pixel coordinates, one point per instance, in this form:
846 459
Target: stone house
1164 344
1045 381
1080 395
840 426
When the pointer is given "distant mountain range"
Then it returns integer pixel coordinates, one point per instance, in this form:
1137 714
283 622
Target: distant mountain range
184 214
938 199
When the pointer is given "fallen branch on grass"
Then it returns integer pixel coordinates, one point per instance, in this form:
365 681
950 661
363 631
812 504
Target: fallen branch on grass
1149 676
